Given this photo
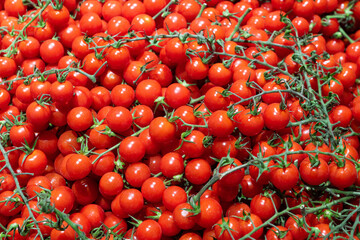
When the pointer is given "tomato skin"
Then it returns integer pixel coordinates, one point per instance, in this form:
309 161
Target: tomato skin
119 119
215 100
78 166
196 69
223 234
246 226
51 51
149 230
275 118
210 212
198 171
35 162
9 208
63 198
314 175
172 164
131 149
111 221
93 64
7 182
342 176
85 190
152 189
21 134
284 178
137 173
249 124
161 130
7 67
90 23
263 206
99 138
233 179
111 184
94 213
220 125
173 196
61 92
295 229
79 119
38 115
36 185
147 91
274 233
131 201
190 236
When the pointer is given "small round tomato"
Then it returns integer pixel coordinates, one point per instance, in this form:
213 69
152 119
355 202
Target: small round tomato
100 137
314 172
131 149
210 212
161 130
7 207
342 174
7 67
152 189
61 91
198 171
220 124
94 213
277 233
275 117
51 51
227 228
22 134
34 162
173 196
137 173
148 230
284 178
196 69
38 115
104 163
111 184
248 123
131 201
63 199
36 185
90 23
78 166
147 91
79 119
265 206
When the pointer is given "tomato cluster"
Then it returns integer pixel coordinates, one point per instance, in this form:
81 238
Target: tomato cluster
179 119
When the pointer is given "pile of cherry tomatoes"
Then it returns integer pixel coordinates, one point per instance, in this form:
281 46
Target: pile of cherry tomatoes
179 119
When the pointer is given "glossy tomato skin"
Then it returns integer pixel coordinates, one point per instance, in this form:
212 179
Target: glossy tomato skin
314 175
276 118
263 205
9 208
210 212
274 233
246 226
63 198
35 162
284 178
161 130
342 176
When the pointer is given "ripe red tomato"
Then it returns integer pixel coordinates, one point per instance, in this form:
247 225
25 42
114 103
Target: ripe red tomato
63 198
284 178
264 206
34 162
